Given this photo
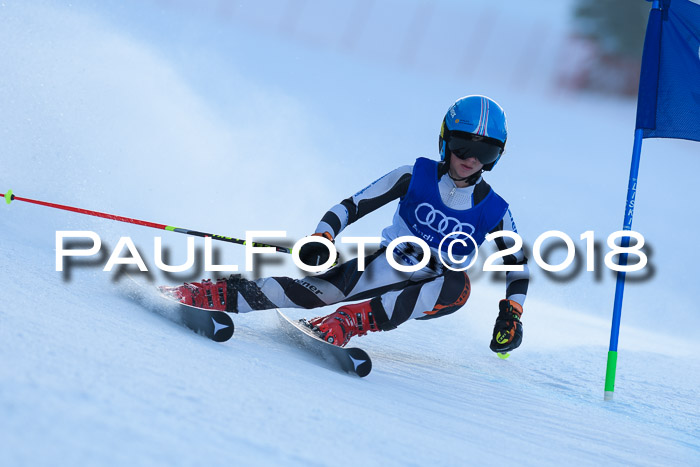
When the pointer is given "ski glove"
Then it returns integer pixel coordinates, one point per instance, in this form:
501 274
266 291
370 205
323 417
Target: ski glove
314 253
508 330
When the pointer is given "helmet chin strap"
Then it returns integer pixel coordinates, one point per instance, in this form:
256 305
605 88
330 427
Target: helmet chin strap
469 179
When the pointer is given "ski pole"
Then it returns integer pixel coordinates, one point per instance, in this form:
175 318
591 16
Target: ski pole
9 197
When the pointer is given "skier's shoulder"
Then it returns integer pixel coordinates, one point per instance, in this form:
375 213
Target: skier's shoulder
397 172
387 183
425 160
397 180
483 190
405 169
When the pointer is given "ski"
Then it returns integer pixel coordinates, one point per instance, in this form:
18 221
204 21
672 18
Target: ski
213 324
351 360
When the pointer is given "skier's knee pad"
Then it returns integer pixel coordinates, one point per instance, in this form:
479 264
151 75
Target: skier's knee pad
453 295
457 285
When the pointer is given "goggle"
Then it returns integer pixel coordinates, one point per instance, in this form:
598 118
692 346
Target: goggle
485 152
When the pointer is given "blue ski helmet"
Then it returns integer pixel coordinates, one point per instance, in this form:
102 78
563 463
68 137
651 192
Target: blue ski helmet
476 125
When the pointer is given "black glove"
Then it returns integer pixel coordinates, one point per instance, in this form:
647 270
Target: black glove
508 330
315 253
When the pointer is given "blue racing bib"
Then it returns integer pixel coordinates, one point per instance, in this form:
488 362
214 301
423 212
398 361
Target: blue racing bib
430 219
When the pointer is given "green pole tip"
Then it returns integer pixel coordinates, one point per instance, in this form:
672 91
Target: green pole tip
9 196
503 356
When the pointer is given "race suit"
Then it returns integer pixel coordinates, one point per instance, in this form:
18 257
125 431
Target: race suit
431 205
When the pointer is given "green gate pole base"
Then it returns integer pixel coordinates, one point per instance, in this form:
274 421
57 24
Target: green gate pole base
610 376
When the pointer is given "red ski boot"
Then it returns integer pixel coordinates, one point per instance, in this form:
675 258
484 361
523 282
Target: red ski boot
347 321
205 294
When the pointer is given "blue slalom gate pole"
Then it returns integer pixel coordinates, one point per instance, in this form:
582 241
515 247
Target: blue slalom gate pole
667 107
620 285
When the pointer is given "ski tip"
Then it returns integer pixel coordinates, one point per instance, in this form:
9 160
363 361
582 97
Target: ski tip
503 356
361 361
223 327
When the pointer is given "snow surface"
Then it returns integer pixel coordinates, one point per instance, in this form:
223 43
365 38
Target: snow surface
201 117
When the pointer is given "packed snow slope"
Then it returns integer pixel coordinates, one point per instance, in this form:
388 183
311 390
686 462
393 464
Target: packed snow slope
166 112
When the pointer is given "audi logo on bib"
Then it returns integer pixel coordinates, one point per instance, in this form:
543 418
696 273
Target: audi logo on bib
438 221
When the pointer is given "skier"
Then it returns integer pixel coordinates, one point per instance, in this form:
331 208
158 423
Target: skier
436 198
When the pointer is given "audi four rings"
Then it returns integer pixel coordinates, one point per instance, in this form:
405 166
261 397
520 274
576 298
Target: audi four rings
436 220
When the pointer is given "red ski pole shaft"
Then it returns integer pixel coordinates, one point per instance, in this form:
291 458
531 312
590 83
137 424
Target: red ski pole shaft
9 197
